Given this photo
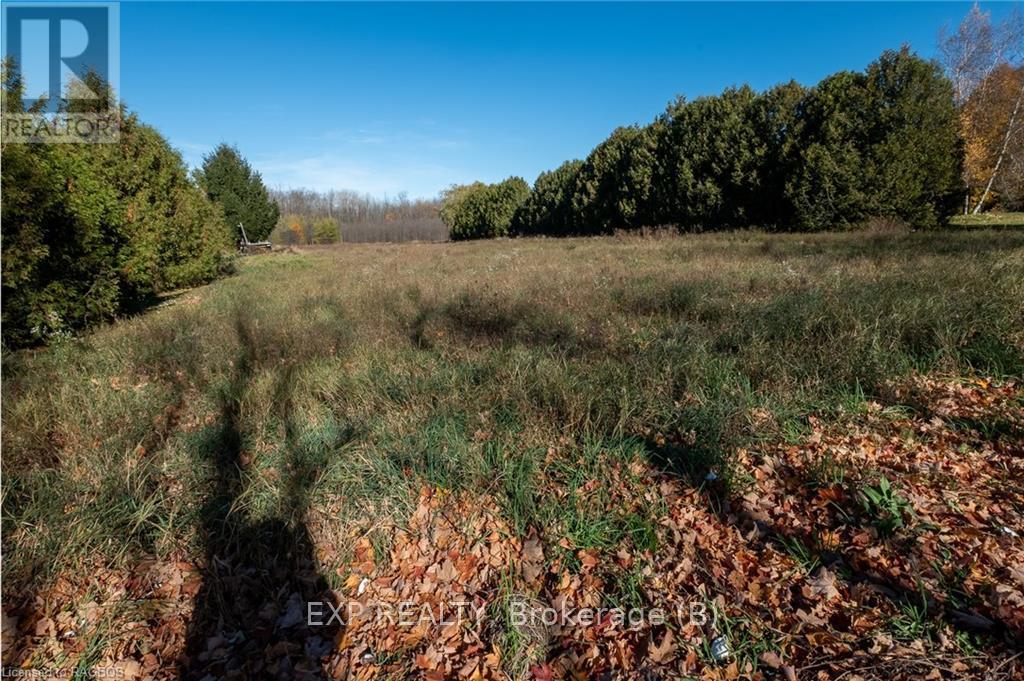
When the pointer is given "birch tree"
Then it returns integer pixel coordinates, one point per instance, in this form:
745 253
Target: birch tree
971 56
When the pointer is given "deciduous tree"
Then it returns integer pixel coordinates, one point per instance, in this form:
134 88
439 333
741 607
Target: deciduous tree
981 58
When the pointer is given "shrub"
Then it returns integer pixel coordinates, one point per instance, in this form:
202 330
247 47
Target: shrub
291 230
325 231
479 210
93 230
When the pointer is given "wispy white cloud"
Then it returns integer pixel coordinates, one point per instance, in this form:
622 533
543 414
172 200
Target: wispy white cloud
374 159
397 140
193 152
360 136
331 171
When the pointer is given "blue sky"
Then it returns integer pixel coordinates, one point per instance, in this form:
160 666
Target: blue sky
383 98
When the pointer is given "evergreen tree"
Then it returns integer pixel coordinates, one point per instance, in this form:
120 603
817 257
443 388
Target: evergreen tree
480 211
775 120
548 208
883 143
231 182
92 230
914 168
613 187
858 145
708 161
828 187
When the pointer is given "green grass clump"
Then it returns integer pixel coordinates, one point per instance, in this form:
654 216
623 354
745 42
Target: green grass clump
886 508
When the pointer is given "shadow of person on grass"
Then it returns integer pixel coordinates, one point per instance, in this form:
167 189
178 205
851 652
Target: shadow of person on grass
250 616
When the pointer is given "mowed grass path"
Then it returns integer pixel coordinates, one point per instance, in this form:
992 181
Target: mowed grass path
994 220
325 389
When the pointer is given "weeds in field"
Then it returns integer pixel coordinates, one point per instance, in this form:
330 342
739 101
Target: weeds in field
807 557
521 635
887 510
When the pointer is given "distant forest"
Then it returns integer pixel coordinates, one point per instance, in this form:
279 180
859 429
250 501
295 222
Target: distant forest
310 217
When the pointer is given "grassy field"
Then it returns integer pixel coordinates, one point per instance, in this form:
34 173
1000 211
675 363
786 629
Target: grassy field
996 220
177 485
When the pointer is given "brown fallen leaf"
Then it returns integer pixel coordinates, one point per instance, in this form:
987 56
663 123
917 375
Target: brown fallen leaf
823 584
533 559
588 558
665 650
127 669
8 632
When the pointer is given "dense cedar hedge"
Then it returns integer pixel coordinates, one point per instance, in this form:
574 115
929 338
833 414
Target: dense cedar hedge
882 143
91 231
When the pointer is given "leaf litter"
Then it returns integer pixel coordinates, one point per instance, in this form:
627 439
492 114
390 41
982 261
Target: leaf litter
883 544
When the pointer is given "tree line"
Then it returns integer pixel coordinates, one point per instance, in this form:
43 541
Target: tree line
311 217
93 231
882 143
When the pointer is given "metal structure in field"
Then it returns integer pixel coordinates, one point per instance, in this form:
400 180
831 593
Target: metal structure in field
246 246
